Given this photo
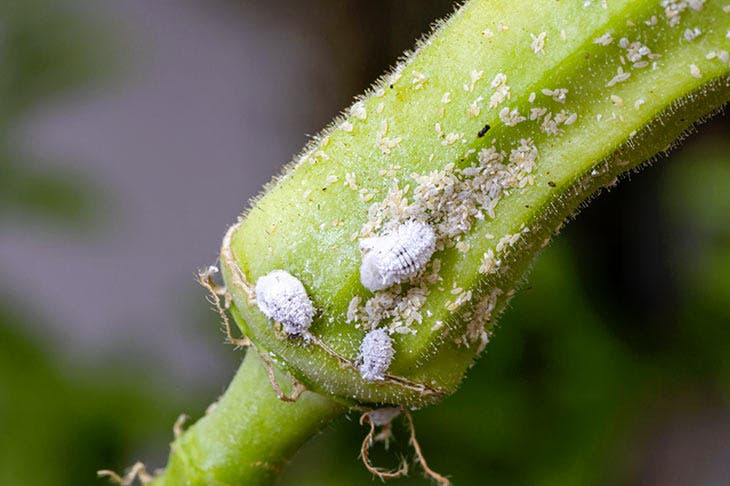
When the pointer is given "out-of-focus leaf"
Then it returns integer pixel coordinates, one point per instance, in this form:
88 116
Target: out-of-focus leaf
49 196
697 202
696 188
58 426
46 48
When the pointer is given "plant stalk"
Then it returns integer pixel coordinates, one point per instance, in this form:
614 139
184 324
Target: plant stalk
533 105
249 434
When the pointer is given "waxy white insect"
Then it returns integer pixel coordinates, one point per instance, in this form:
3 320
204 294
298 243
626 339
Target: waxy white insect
376 353
397 255
383 416
282 297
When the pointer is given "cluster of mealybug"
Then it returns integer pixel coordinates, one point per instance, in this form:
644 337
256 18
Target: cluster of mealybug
397 255
376 353
394 257
282 297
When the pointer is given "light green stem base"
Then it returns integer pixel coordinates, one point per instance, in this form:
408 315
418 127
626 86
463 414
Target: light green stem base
249 435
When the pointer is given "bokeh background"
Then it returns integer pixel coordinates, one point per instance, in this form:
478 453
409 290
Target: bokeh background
132 133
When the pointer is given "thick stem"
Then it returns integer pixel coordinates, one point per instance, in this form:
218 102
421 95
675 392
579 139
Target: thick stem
498 128
572 95
249 435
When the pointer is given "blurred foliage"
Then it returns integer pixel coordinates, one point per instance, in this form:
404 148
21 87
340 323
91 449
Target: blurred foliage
61 197
46 49
58 425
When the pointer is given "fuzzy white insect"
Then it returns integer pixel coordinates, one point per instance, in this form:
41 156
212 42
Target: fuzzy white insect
282 297
538 42
397 255
383 416
376 353
695 71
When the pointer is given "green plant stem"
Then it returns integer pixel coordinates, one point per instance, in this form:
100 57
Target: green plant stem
624 79
396 154
249 435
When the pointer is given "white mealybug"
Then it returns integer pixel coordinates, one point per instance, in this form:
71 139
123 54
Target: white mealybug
397 255
282 297
383 416
376 353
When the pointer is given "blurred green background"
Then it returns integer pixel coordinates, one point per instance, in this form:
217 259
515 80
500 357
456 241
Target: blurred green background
130 127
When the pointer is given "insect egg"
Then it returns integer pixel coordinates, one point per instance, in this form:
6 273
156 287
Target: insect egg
376 353
397 255
282 297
